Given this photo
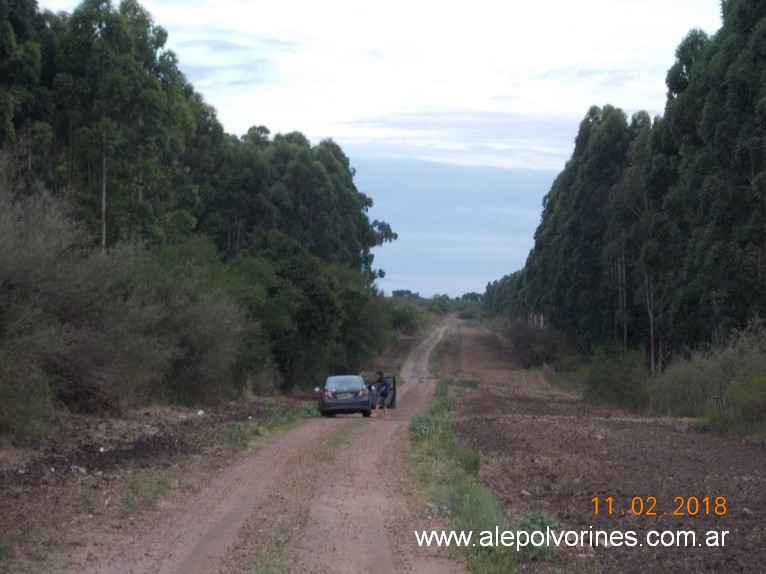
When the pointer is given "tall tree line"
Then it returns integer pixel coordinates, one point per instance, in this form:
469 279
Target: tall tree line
250 256
654 234
97 104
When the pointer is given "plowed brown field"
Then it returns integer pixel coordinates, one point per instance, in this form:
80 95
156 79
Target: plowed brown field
545 450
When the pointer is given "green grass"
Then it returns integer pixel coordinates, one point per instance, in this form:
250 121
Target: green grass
447 469
6 551
237 434
278 558
278 417
142 493
242 434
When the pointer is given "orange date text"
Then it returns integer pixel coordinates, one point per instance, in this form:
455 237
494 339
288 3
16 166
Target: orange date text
650 506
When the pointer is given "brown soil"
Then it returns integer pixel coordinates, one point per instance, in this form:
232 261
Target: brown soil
545 450
337 495
330 495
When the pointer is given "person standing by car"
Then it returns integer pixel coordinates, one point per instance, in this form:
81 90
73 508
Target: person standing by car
383 386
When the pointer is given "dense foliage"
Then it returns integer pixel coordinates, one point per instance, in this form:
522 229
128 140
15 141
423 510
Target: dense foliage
654 234
145 253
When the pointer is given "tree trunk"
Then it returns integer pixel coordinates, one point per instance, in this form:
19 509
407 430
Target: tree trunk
140 175
624 301
29 147
103 200
650 311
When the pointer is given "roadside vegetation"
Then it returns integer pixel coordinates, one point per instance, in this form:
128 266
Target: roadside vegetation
240 435
722 386
98 333
448 471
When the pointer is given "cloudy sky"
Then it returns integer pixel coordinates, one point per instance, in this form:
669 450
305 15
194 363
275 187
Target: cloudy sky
456 115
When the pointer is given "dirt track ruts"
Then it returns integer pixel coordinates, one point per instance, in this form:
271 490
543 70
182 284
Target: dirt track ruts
331 495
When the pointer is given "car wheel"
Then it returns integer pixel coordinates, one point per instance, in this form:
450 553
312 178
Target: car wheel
366 414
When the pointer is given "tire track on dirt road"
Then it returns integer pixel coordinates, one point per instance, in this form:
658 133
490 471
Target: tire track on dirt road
335 492
360 520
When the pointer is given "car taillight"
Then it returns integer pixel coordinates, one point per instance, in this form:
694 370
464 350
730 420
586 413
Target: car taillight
327 394
362 393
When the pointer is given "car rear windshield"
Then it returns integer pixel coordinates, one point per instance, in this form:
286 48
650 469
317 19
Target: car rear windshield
351 382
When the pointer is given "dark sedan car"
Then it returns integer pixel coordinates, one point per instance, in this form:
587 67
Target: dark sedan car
344 394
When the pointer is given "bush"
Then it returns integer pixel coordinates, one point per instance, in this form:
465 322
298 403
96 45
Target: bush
724 385
684 388
203 336
536 522
465 457
197 323
536 346
26 405
746 400
404 317
619 379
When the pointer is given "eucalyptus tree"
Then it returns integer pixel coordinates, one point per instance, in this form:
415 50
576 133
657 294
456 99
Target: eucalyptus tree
20 66
354 235
124 114
566 276
715 113
640 238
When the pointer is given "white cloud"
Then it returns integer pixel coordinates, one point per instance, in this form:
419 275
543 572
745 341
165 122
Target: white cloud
500 83
341 68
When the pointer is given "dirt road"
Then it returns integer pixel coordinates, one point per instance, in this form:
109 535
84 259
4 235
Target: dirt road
332 495
336 495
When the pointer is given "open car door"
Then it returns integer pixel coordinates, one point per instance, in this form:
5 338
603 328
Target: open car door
391 400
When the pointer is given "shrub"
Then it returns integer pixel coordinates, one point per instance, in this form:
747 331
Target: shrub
536 522
619 379
203 336
26 405
404 318
465 457
685 388
535 346
725 385
746 399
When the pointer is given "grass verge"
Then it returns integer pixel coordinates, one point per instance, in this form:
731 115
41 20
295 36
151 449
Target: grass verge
142 493
242 434
448 470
